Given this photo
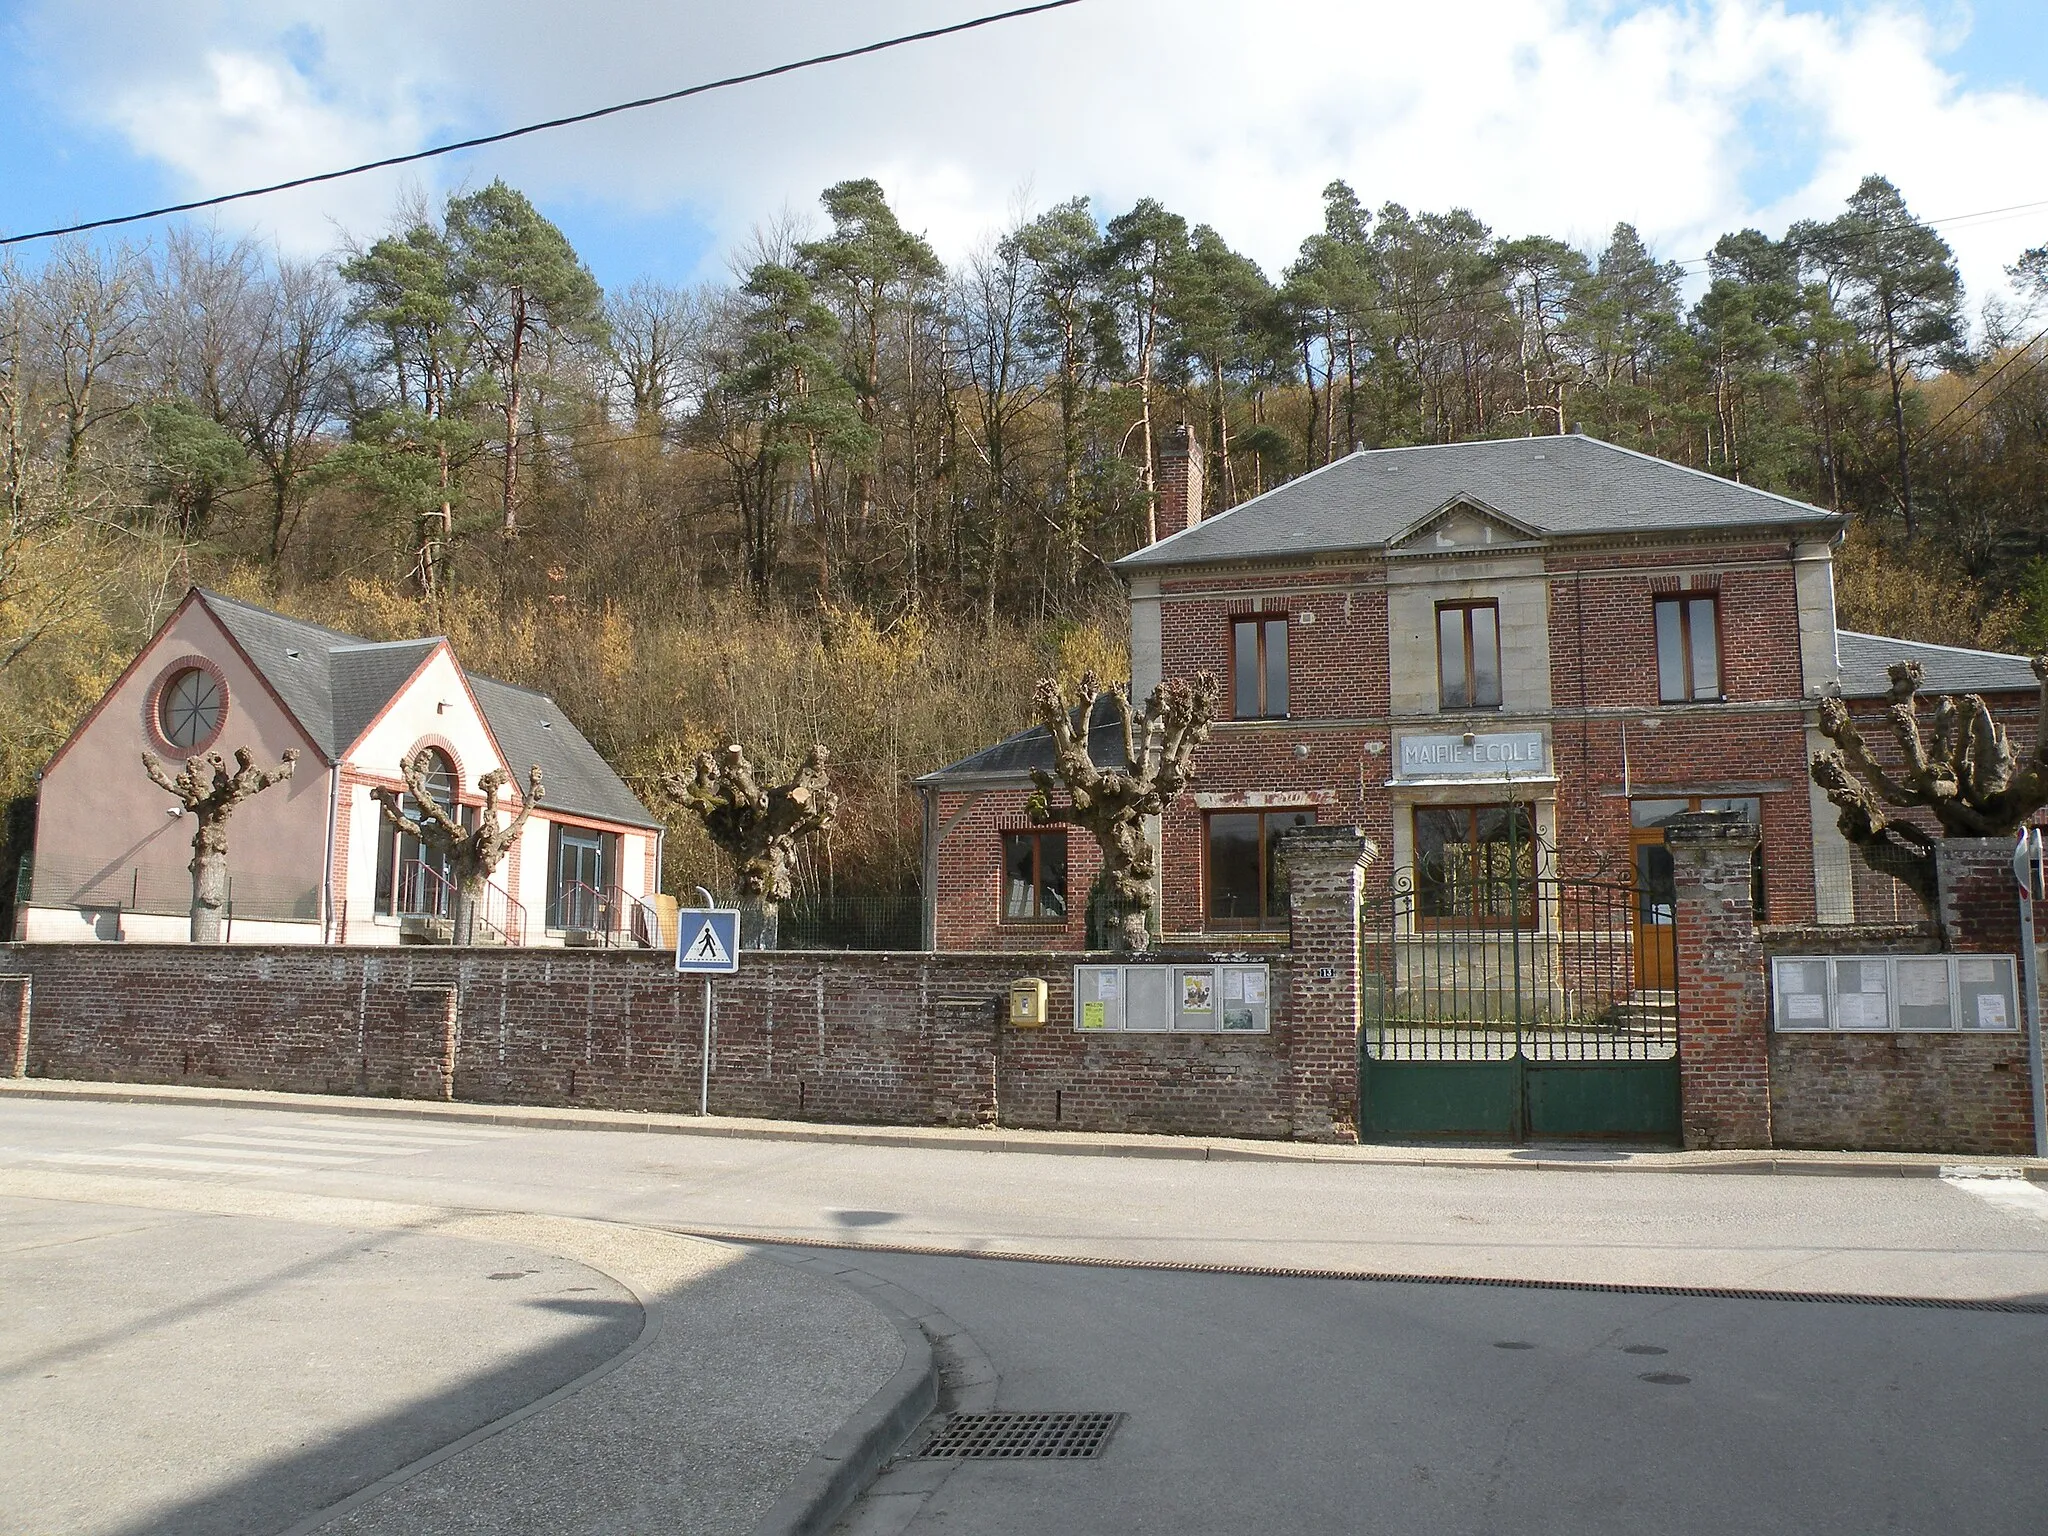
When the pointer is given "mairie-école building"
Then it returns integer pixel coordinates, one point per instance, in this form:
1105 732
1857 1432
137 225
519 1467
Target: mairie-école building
1547 644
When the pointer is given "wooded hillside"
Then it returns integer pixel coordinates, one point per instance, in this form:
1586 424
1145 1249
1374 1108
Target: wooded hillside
854 496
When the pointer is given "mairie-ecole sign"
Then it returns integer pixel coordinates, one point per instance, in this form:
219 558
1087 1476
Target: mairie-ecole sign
1482 754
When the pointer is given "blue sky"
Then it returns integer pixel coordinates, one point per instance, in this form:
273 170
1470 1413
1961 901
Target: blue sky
1686 117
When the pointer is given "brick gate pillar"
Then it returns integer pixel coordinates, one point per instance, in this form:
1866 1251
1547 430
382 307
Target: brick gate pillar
1325 879
1978 898
1724 1061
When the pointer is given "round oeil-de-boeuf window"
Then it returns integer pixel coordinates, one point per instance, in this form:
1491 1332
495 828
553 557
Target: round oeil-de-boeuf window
189 707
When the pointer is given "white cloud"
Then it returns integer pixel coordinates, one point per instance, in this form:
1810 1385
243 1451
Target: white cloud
1561 116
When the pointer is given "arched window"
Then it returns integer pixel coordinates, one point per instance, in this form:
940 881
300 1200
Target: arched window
412 878
189 707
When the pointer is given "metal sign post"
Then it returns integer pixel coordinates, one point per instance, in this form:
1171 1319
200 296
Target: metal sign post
707 945
2028 868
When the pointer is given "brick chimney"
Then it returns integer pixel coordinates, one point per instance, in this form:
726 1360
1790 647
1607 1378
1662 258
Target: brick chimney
1180 480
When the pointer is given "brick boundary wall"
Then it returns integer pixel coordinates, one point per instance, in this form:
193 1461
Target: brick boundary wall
895 1038
1977 898
1746 1085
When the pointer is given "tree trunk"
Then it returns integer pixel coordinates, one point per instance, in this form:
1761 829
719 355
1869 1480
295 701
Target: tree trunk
512 383
1899 432
466 905
209 884
760 923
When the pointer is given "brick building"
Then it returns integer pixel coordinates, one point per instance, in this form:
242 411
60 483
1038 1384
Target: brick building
1531 652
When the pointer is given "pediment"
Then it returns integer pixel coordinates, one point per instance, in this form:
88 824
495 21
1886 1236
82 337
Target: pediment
1463 523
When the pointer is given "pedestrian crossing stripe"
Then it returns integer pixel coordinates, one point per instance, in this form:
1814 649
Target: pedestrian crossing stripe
269 1152
708 941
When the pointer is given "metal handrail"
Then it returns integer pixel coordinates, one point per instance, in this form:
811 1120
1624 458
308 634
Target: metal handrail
423 891
615 915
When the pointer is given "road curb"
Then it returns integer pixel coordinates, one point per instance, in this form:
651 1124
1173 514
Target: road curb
1887 1165
841 1469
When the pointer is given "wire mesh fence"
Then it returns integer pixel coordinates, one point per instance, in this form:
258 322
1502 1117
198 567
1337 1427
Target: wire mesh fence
852 922
160 891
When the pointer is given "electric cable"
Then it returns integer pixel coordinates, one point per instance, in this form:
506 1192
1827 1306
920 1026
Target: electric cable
554 122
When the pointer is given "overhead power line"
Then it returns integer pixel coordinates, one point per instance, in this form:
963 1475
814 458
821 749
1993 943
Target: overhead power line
2022 354
554 122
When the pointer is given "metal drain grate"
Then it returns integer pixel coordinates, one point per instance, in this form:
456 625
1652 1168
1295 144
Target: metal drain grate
1022 1436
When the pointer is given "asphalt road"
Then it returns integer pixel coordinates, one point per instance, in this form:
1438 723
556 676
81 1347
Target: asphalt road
1258 1402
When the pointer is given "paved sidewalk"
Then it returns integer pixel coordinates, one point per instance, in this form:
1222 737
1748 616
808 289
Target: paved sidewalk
1581 1158
210 1358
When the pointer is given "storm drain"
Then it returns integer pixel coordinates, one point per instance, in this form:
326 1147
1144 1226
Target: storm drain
1022 1437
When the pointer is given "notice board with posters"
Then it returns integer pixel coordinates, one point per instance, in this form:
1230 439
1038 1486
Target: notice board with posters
1868 994
1182 999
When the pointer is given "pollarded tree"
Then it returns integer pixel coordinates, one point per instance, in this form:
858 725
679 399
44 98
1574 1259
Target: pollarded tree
758 826
472 853
1969 779
1112 804
209 794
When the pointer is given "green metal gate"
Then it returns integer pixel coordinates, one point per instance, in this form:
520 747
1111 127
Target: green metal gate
1513 1009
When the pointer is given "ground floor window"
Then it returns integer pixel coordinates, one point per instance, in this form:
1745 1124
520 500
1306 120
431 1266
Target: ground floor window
1034 877
581 865
413 879
1245 887
1475 864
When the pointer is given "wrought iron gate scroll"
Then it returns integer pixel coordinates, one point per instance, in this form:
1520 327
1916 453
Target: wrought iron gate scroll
1515 1008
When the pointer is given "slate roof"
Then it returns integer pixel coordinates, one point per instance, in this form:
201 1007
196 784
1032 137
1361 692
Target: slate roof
531 729
1556 486
1945 668
1015 756
337 683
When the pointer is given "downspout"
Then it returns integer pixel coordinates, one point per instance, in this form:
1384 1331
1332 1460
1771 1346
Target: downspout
930 936
327 925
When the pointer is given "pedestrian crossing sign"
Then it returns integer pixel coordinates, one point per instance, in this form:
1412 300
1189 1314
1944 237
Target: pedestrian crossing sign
708 941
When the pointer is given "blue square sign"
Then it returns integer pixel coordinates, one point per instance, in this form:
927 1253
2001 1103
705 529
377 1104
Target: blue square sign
708 941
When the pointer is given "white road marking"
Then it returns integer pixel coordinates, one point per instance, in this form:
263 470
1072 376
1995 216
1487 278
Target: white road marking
403 1132
184 1149
2006 1188
306 1146
314 1144
179 1164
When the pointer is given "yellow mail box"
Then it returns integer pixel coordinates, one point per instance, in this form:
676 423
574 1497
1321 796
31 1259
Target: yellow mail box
1027 1003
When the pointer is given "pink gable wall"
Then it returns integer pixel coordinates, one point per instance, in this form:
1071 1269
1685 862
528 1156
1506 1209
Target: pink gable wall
102 830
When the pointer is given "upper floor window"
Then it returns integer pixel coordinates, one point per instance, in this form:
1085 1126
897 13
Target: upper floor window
1468 655
1688 649
189 708
1258 654
1034 877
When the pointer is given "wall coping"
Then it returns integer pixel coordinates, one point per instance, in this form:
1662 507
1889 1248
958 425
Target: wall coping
1848 938
1166 955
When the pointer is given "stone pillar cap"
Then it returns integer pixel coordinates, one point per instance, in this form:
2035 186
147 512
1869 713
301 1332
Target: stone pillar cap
1726 829
1336 845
